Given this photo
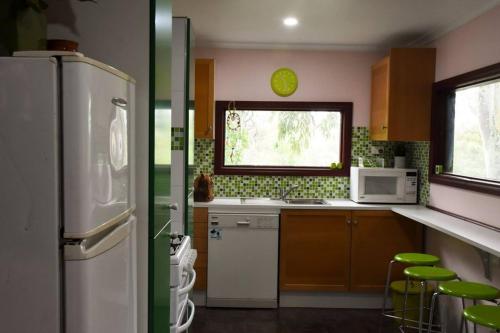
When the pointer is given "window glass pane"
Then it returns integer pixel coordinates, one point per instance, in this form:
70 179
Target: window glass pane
381 185
476 138
282 138
162 136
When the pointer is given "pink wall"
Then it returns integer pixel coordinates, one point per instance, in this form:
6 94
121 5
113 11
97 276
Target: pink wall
328 76
472 46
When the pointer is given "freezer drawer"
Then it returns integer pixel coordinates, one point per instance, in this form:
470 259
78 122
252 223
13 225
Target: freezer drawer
243 260
100 288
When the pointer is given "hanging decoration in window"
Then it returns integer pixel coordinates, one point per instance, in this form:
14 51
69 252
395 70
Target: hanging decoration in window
233 121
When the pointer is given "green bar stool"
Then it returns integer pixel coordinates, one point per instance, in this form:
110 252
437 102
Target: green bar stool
423 274
484 315
414 259
464 290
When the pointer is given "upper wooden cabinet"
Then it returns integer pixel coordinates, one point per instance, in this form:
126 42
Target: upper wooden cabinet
314 250
204 99
401 95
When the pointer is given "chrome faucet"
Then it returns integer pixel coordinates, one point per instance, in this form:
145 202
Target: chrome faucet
284 193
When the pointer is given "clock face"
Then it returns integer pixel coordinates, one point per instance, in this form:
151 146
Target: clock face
284 82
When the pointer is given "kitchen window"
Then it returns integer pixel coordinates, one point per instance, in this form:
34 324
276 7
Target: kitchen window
283 138
466 131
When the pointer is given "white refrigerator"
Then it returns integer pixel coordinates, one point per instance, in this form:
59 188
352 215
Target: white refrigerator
67 229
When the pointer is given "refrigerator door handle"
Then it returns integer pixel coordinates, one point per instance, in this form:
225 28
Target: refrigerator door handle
86 248
119 102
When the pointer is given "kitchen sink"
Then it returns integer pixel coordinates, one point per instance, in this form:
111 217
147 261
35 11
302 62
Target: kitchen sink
306 202
260 201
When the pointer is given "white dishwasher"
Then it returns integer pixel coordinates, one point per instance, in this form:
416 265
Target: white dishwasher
242 260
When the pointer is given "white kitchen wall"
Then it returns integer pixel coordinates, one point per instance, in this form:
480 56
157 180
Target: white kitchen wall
178 83
116 32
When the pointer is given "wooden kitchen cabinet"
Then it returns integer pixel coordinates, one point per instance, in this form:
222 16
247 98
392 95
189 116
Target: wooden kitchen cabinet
314 250
200 243
376 237
204 99
401 92
335 250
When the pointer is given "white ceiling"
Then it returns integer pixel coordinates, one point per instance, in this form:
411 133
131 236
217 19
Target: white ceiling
329 24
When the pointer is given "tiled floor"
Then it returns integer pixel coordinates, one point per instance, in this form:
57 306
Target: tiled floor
288 320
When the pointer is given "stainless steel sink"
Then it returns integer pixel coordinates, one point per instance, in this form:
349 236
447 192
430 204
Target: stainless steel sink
306 202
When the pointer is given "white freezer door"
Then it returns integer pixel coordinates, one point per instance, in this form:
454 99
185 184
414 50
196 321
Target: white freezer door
100 287
97 113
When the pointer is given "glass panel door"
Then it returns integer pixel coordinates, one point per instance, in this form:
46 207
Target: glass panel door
159 167
381 185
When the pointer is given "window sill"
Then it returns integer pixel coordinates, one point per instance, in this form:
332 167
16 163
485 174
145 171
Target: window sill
466 183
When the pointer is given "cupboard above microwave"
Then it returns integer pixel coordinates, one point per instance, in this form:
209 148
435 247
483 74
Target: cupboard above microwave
383 185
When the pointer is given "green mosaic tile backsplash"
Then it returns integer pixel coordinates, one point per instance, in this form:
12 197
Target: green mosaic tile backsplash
309 186
417 156
177 138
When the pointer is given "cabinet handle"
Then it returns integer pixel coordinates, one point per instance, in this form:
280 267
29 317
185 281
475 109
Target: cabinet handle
384 127
355 222
348 221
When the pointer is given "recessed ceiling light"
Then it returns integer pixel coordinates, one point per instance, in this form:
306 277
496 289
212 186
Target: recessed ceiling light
290 21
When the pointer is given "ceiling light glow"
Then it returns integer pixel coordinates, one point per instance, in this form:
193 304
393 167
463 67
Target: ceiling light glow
290 21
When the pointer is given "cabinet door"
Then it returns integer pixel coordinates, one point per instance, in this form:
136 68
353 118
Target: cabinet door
380 100
200 243
204 99
314 250
376 237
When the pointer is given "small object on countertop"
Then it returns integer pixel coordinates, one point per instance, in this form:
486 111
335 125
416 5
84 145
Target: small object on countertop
62 45
203 188
400 156
439 169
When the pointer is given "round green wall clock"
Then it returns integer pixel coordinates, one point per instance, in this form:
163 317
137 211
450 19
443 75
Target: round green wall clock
284 82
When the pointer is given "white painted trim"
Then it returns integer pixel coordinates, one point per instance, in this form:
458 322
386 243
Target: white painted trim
346 300
282 46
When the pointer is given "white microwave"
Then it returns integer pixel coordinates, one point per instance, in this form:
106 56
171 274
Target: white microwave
383 185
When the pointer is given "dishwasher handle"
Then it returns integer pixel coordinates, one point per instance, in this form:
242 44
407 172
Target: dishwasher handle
243 223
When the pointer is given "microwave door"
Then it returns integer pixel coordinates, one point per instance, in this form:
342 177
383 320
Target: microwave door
381 187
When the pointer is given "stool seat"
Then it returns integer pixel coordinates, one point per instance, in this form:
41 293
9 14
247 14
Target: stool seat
470 290
429 273
484 315
417 259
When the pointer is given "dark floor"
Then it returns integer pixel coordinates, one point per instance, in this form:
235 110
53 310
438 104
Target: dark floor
288 320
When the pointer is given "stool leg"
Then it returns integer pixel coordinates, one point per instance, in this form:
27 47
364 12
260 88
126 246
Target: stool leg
423 287
405 301
464 322
475 326
387 282
431 313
